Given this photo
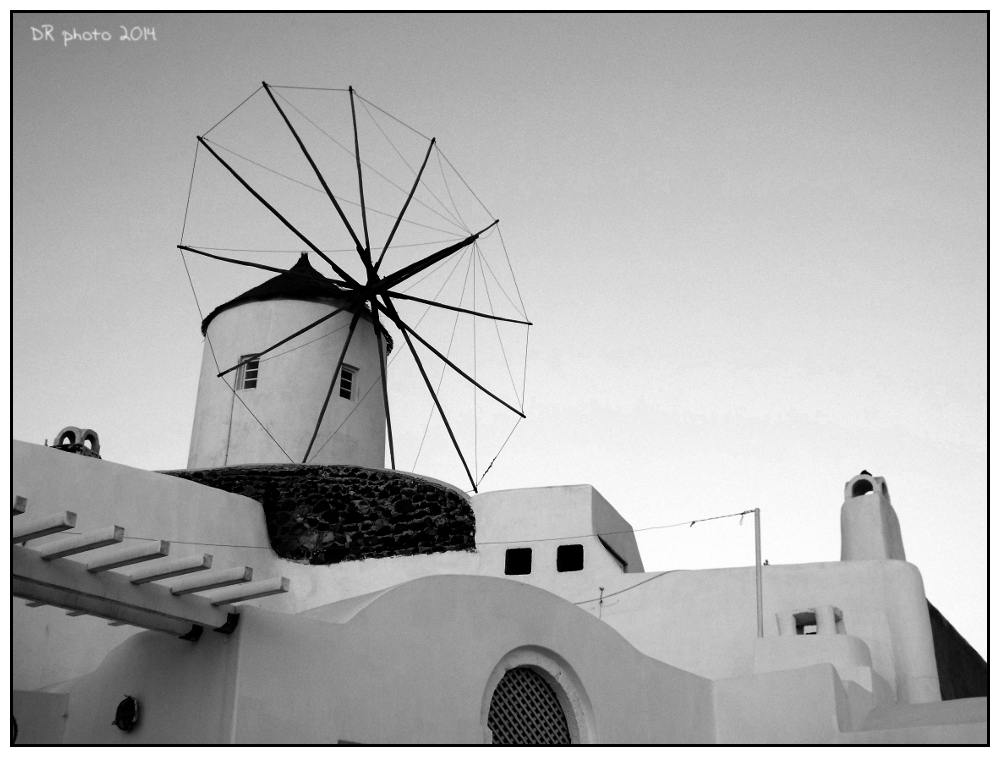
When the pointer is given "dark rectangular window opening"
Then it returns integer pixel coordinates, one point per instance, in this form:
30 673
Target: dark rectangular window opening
246 375
518 562
569 557
347 375
805 623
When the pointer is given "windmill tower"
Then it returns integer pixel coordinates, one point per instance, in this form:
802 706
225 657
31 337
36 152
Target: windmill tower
265 411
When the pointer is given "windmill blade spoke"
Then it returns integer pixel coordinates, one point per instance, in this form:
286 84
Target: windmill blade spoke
405 205
233 260
432 303
385 383
316 170
361 185
391 312
413 269
287 339
333 383
340 271
247 263
404 328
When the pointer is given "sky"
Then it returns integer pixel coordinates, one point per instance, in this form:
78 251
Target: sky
754 250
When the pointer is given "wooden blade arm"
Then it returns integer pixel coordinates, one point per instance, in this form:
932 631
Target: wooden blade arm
404 328
333 383
316 170
340 271
391 312
413 269
405 205
401 296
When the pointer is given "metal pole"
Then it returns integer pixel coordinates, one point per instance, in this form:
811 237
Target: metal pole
760 596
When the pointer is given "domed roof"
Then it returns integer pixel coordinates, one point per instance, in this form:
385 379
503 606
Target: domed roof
300 282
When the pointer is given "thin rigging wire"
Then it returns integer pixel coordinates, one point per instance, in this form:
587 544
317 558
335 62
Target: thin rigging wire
201 314
367 164
499 338
513 304
378 379
407 164
448 190
524 310
451 341
498 452
306 344
194 167
524 375
216 361
324 89
233 110
466 184
433 269
322 192
391 116
300 251
427 308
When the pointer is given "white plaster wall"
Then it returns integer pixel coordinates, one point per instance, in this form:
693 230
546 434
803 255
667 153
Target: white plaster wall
705 621
701 621
543 519
291 385
410 667
869 529
48 647
802 706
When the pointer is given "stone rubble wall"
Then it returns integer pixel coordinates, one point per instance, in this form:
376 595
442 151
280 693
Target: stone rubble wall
324 514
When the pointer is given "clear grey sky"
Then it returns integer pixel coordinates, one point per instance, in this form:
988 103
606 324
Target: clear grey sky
754 248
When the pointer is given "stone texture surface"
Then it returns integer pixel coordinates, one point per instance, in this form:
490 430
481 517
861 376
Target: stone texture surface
324 514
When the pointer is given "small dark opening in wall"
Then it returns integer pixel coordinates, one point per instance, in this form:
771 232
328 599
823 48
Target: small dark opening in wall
518 562
569 557
862 486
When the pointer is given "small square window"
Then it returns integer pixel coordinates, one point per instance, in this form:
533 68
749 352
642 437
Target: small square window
347 376
805 623
569 557
246 375
518 562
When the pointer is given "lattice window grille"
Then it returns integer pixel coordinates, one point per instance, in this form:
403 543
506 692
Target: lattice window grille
525 710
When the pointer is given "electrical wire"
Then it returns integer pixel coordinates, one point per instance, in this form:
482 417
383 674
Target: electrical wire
478 543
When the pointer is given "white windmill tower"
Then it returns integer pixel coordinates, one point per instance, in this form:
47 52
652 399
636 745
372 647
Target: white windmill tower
277 399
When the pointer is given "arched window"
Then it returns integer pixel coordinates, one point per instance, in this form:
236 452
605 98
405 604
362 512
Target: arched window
861 486
525 710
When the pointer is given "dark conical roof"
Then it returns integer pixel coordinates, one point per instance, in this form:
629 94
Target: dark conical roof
300 282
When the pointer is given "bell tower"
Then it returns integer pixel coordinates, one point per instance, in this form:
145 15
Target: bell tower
869 528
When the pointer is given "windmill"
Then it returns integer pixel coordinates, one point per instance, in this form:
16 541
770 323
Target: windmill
410 248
